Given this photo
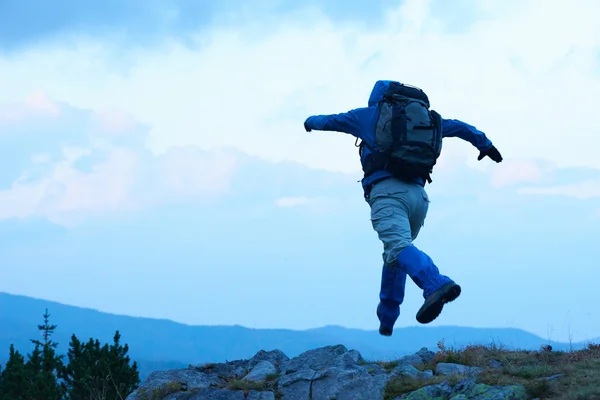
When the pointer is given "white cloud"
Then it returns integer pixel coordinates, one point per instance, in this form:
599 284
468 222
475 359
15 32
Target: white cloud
291 201
120 176
581 190
512 172
525 76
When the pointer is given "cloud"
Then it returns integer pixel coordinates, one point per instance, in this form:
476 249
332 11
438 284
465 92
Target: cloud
524 87
291 201
36 105
580 190
98 164
516 171
147 21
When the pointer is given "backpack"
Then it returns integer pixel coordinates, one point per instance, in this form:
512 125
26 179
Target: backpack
408 135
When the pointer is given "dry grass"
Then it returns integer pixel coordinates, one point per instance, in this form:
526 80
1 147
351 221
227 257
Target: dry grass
575 375
160 392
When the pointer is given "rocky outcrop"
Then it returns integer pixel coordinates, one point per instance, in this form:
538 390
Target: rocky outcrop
331 372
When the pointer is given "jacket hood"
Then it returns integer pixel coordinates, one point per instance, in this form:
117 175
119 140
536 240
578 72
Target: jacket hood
378 91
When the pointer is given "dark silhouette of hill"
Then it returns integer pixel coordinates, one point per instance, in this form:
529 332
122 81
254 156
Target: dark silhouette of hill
159 344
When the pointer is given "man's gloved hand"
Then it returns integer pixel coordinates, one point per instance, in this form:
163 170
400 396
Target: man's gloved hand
306 126
492 153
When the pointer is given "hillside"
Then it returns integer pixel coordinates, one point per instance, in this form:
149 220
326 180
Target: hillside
162 344
336 372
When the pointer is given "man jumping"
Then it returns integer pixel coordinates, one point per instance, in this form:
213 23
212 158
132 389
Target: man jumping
401 140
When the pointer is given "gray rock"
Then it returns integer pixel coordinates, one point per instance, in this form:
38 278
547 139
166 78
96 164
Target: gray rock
217 394
487 392
256 395
374 369
447 369
348 359
228 370
260 371
439 391
275 357
413 359
426 355
297 385
410 371
314 359
345 384
463 387
495 364
169 381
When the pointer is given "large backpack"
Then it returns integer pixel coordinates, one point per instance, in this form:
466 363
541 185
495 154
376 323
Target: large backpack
408 135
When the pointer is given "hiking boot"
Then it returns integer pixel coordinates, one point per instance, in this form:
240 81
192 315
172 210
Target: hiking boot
383 329
434 304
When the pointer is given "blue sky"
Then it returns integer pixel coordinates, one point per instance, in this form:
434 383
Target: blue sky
153 160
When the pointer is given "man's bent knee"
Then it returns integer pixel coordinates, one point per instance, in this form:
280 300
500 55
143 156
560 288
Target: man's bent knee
390 256
392 225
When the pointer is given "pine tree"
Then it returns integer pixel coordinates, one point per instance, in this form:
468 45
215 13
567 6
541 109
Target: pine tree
125 377
44 366
76 371
98 371
13 382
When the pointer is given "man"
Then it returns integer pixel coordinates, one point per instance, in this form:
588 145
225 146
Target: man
400 142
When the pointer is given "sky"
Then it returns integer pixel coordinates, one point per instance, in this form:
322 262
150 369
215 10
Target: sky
153 160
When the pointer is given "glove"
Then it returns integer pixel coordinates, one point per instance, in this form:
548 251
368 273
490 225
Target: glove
492 153
306 126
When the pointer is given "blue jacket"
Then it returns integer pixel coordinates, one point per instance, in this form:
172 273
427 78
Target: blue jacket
360 123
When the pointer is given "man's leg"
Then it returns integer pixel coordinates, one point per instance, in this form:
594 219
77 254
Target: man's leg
389 217
391 296
437 289
398 210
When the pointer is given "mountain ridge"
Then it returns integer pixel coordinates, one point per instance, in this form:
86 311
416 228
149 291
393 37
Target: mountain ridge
162 343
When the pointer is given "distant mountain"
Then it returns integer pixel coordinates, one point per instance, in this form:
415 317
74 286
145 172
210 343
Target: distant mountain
160 344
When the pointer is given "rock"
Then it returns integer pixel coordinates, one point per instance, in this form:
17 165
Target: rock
331 372
348 359
217 394
440 391
256 395
167 382
456 369
260 371
314 359
426 355
487 392
228 370
463 387
275 357
413 359
374 369
494 364
297 385
353 383
411 372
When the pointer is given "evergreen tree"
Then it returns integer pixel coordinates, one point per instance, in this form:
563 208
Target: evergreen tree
99 372
125 377
44 366
13 382
93 371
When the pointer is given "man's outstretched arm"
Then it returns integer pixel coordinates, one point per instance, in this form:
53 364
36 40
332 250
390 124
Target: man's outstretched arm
464 131
352 122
